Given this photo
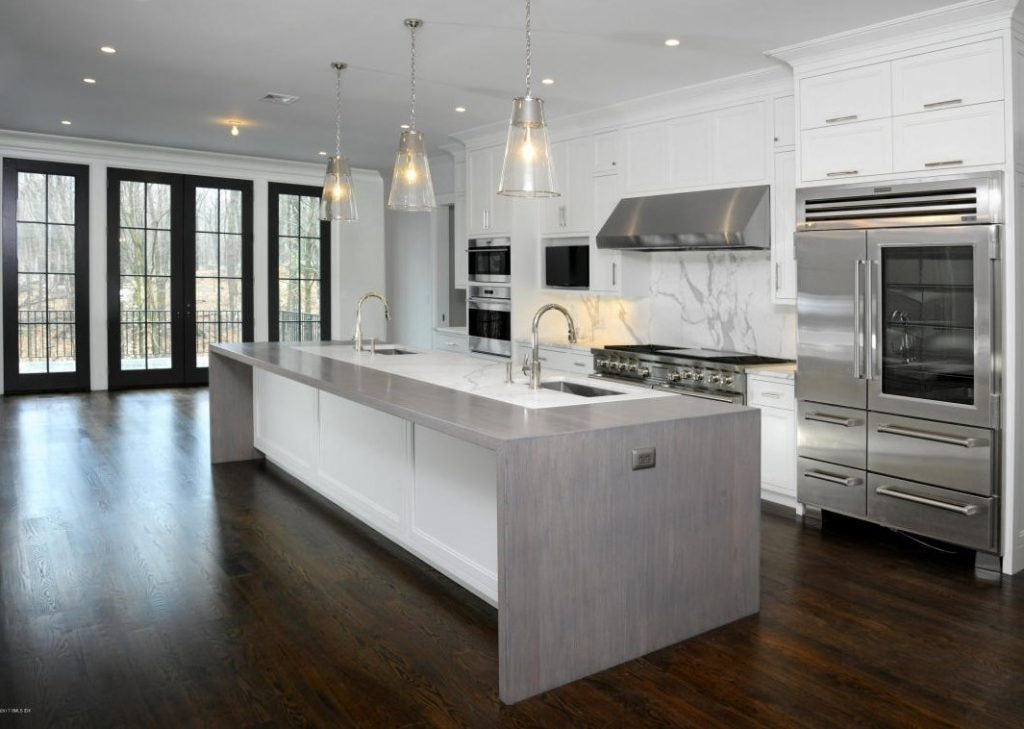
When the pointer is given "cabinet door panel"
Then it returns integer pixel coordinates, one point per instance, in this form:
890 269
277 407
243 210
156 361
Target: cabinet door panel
968 74
604 264
849 150
958 137
646 158
553 209
607 151
778 451
578 170
858 94
785 121
690 156
481 187
740 144
784 210
501 205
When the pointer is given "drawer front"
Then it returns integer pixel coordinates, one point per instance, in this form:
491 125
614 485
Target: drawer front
450 343
833 434
955 456
949 139
967 74
770 394
849 150
557 359
859 94
954 517
831 487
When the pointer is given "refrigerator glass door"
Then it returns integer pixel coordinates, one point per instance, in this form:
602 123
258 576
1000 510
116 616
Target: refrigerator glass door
831 348
932 323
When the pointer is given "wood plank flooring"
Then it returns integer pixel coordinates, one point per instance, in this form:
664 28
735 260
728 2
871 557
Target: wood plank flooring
141 588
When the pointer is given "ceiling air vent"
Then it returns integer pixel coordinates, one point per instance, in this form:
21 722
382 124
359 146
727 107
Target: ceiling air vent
949 201
285 99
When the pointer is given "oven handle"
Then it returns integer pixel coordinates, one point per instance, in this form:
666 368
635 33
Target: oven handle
965 509
694 393
934 437
829 478
490 249
832 419
490 304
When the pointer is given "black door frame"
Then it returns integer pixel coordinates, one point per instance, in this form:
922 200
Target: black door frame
274 190
183 329
14 381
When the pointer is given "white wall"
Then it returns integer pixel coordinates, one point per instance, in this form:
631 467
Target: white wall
357 252
409 242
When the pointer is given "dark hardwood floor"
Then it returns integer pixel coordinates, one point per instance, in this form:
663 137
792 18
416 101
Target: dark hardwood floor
141 588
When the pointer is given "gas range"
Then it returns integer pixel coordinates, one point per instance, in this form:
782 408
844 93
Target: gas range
711 374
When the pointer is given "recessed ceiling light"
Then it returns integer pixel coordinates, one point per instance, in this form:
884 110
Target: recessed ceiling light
66 122
547 81
671 42
322 153
88 80
108 49
460 109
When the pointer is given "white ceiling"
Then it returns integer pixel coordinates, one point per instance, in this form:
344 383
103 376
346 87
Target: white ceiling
183 66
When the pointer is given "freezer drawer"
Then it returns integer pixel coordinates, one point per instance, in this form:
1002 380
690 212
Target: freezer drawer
955 456
831 487
833 434
931 511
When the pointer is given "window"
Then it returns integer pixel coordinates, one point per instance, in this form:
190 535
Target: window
299 266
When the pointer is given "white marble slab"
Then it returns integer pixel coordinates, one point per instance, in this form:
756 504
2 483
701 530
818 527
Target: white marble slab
477 376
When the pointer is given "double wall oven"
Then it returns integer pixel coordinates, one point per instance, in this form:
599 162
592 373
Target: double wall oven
898 356
489 299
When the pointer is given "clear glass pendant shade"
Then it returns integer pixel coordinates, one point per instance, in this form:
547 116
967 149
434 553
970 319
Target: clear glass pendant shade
528 170
411 186
338 201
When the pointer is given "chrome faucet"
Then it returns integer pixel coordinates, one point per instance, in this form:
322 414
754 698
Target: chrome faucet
357 336
534 371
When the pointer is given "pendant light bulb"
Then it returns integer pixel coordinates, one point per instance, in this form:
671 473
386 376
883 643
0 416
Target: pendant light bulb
234 130
411 187
338 200
528 169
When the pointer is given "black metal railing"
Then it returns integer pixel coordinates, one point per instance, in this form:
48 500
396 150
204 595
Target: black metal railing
46 335
294 326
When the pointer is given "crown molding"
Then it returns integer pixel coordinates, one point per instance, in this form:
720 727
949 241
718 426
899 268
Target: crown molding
962 19
113 154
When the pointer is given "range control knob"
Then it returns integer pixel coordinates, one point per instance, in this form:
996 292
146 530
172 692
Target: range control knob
674 376
697 376
717 379
643 371
632 367
727 380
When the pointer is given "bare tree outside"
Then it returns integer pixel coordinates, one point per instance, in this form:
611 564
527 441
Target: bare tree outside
298 268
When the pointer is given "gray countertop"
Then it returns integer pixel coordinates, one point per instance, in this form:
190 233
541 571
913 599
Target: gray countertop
481 420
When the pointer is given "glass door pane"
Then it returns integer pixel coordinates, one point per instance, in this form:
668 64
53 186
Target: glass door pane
927 335
45 276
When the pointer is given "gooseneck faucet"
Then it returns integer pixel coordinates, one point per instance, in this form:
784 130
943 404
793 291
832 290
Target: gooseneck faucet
535 344
357 336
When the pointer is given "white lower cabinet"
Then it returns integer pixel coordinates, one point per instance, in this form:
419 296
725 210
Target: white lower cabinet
446 341
775 396
432 494
784 227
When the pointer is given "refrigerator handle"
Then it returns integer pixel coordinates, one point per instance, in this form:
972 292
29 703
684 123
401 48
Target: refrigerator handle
870 317
858 320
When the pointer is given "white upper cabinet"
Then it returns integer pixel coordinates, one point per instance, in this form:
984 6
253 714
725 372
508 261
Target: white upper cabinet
647 157
967 74
849 150
784 228
605 265
487 212
739 144
607 151
690 154
858 94
569 213
957 137
784 118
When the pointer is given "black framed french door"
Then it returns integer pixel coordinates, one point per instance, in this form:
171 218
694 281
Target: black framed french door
179 274
45 276
299 265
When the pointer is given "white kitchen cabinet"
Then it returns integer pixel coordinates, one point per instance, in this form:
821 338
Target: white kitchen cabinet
487 212
784 228
853 95
956 137
848 150
460 264
958 76
739 142
607 148
605 266
569 213
647 158
691 154
776 399
445 340
784 121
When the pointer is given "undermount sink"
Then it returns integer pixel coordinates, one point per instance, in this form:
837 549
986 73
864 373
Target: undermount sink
575 388
393 350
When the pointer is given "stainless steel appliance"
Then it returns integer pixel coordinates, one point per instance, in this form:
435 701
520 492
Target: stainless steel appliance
489 260
489 320
898 356
703 373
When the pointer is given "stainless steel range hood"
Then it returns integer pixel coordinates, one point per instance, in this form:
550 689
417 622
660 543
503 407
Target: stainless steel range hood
736 218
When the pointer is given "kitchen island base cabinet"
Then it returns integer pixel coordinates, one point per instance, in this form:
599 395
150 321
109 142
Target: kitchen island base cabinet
590 561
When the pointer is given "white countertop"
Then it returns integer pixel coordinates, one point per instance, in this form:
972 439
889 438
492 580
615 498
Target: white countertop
785 371
451 330
479 377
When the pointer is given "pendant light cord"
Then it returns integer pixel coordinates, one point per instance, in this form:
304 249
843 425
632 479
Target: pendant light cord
412 82
529 50
337 119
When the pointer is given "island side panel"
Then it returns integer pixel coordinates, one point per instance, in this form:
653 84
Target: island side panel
599 563
231 413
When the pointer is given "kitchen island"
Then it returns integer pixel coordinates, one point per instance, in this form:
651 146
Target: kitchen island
601 528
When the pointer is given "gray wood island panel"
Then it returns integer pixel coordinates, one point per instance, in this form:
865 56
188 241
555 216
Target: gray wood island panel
597 562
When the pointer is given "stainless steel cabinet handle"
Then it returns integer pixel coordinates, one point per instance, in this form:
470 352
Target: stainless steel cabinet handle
946 102
839 119
965 509
965 442
841 173
772 395
561 216
832 478
614 271
579 364
777 276
832 419
945 163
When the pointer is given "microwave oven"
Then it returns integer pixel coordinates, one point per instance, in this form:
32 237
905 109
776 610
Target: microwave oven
567 266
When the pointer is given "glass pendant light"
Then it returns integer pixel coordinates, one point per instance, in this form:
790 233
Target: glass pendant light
528 170
411 187
338 201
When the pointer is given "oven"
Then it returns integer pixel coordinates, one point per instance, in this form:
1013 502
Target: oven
489 320
489 260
